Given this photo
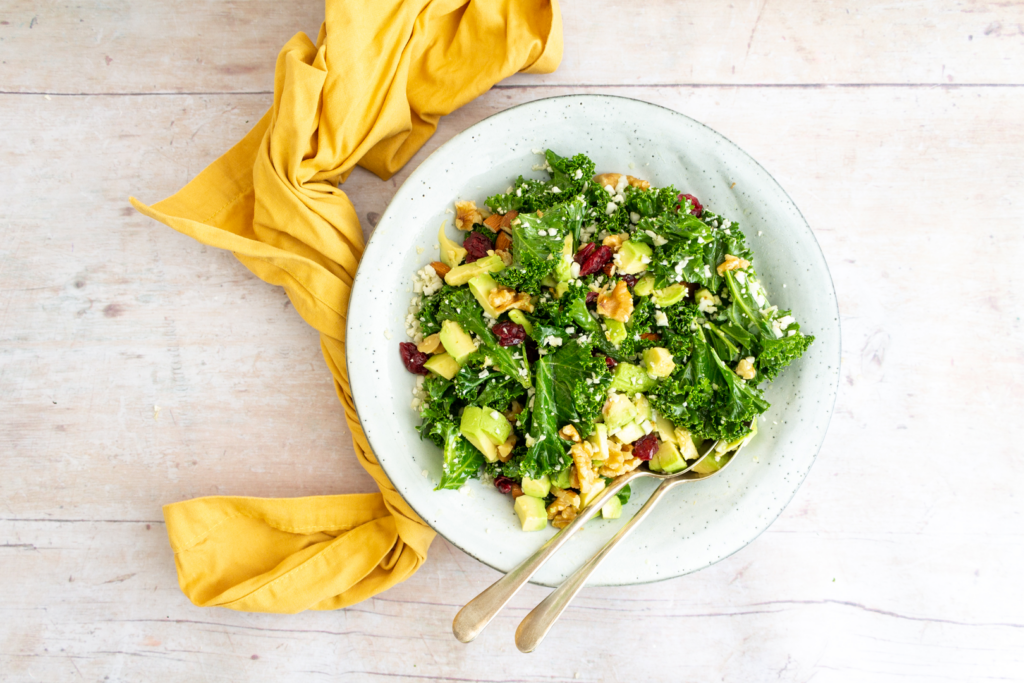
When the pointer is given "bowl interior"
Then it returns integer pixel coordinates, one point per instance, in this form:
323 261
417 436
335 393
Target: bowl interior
696 525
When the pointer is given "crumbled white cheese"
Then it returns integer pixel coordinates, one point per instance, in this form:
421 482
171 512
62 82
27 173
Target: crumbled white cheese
621 185
555 189
542 232
552 340
660 318
578 174
419 250
574 270
387 334
611 208
634 217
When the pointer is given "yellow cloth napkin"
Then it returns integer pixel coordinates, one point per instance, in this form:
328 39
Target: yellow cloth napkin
369 92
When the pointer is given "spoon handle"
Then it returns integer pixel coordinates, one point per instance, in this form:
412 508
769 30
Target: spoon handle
479 611
538 622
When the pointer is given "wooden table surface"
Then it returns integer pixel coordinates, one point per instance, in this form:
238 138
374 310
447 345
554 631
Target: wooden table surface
138 367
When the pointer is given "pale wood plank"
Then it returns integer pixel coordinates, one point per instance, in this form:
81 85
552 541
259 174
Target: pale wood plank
210 46
924 559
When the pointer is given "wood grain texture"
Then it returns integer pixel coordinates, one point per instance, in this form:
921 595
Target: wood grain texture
899 559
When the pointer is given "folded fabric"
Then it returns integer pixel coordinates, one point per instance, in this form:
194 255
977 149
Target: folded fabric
370 91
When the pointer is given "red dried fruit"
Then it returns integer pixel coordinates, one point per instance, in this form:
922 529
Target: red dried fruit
477 245
591 297
585 251
610 362
630 280
413 359
509 333
698 208
596 261
503 484
646 447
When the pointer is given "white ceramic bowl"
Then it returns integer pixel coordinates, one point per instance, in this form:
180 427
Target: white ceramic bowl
696 525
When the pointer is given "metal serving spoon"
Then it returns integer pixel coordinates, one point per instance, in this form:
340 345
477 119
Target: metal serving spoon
538 622
478 612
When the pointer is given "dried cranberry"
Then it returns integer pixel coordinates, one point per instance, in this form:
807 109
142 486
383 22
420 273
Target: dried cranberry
412 358
503 484
596 261
610 362
630 280
508 333
646 447
585 251
477 245
698 208
591 297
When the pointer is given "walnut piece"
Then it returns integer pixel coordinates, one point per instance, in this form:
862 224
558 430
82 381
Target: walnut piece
505 256
504 298
441 269
582 456
613 179
745 368
569 433
565 507
616 304
732 263
431 344
466 215
517 490
615 241
619 460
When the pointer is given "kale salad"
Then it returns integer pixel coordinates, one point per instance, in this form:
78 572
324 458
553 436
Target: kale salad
584 325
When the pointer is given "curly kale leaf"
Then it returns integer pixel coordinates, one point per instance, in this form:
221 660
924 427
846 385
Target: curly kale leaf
776 354
461 459
461 306
537 243
707 397
571 385
480 386
568 176
429 324
437 407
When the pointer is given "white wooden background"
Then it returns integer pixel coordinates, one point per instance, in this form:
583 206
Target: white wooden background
896 127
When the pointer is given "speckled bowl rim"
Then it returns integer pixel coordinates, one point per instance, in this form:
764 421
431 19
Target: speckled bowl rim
596 98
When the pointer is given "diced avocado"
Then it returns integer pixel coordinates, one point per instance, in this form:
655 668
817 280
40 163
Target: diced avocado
643 407
710 464
612 509
481 286
455 341
658 361
600 439
633 257
532 513
631 379
560 289
494 426
563 270
469 427
451 253
630 433
644 287
671 295
668 459
615 331
548 281
687 448
460 275
563 479
485 428
618 411
442 364
666 432
587 498
519 318
538 488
